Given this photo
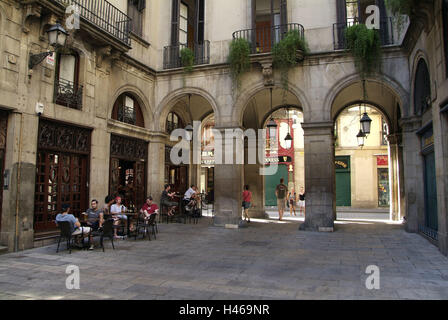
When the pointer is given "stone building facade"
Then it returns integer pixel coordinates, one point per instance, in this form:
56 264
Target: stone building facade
108 121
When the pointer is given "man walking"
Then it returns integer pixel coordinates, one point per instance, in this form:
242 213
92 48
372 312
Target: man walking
281 192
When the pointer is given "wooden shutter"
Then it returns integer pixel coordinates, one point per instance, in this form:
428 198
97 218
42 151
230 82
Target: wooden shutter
199 23
283 12
341 11
175 22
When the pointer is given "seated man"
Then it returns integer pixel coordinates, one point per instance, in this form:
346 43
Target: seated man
95 219
149 208
76 228
118 213
165 200
190 198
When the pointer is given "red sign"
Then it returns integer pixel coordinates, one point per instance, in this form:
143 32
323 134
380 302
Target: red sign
382 160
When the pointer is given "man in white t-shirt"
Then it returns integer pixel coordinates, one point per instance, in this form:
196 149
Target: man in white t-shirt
118 213
190 198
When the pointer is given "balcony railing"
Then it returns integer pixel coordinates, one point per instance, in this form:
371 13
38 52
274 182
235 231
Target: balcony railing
386 33
171 55
68 94
262 39
105 16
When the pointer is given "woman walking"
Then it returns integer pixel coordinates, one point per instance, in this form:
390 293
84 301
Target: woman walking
292 198
247 198
302 202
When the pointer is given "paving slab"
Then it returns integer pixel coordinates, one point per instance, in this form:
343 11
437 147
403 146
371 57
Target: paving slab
267 260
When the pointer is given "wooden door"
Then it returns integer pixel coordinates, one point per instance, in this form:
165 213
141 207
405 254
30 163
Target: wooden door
61 178
431 218
139 184
263 36
343 182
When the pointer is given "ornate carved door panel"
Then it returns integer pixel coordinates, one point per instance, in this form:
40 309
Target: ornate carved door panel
3 129
61 172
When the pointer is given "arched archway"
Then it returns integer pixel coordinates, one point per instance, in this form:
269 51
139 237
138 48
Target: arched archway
381 153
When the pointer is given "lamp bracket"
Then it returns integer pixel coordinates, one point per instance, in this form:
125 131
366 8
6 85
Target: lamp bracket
36 59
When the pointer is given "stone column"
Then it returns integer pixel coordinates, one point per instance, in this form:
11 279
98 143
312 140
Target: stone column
255 180
394 141
20 162
100 161
320 197
412 171
156 166
228 184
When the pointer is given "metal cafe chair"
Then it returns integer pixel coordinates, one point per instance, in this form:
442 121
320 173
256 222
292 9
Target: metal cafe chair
66 233
106 231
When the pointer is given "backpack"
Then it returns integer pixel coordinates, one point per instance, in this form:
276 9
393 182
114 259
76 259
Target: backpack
281 190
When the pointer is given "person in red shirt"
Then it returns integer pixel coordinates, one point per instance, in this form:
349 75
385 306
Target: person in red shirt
149 208
247 198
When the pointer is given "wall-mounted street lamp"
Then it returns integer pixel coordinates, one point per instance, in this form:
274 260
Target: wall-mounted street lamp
57 37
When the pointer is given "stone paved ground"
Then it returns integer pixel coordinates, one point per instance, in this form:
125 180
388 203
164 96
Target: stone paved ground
268 260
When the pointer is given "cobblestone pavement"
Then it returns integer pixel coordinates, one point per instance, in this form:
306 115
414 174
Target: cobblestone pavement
267 260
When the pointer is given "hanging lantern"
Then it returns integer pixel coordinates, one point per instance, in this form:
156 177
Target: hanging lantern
366 123
272 129
360 136
288 141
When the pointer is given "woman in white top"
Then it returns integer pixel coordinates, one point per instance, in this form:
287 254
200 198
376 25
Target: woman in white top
117 210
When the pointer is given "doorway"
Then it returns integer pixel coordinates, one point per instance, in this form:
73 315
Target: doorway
127 181
343 182
128 170
271 183
431 218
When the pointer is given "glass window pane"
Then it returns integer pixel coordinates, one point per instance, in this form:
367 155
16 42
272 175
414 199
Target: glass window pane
67 67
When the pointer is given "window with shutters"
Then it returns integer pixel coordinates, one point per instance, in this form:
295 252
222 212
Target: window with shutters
67 91
422 88
187 30
135 12
127 110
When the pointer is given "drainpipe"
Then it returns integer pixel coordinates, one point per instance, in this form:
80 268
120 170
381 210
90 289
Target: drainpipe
19 167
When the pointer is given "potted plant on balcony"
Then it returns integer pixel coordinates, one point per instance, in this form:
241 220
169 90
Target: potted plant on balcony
238 58
187 59
288 52
365 46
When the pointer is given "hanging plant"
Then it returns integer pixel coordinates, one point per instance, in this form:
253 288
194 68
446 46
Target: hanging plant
187 59
365 46
287 53
239 59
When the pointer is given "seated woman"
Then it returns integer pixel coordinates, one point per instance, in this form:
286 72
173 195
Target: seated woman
165 200
117 210
149 208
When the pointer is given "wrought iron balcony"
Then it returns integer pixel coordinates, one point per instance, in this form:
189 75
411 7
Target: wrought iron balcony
104 16
262 39
386 33
67 93
171 55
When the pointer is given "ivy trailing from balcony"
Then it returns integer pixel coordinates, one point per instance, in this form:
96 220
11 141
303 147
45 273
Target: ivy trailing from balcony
239 59
365 46
287 53
187 59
